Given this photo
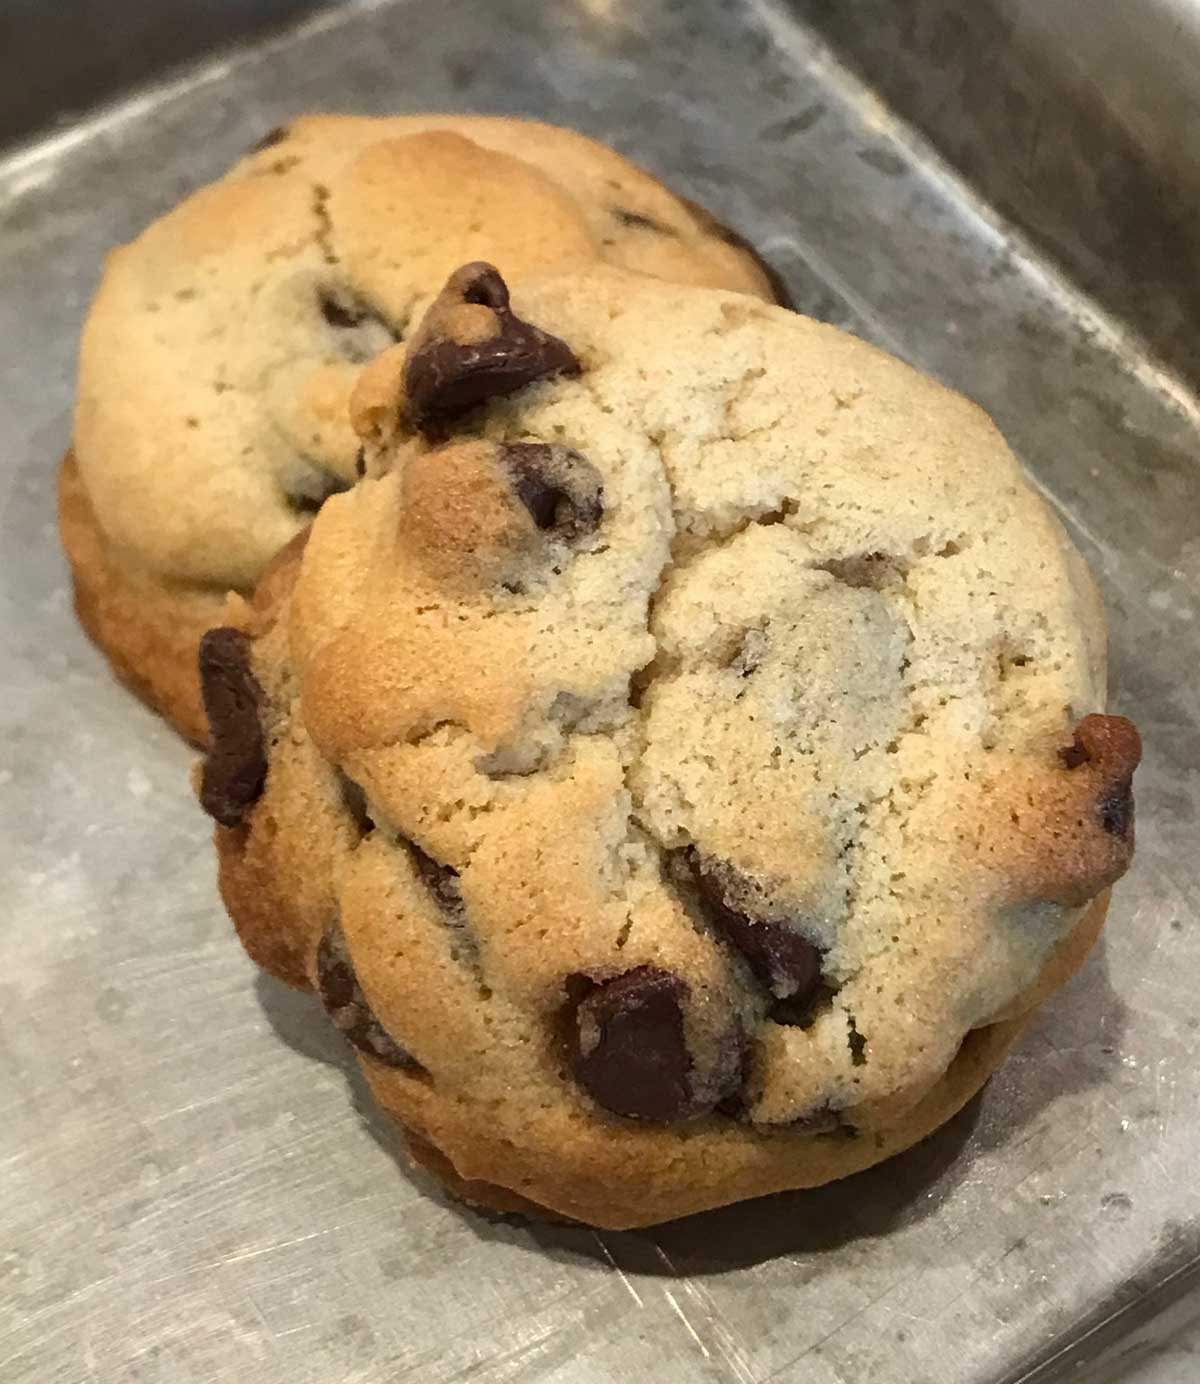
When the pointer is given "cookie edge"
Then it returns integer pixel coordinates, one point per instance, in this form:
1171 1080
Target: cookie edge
148 632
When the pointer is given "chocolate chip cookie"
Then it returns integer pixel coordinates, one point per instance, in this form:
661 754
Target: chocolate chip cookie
223 343
685 758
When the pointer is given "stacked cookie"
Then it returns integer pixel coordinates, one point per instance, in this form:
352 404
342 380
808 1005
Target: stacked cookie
678 761
221 348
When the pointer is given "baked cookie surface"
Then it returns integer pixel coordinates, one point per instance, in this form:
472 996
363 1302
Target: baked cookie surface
680 764
222 345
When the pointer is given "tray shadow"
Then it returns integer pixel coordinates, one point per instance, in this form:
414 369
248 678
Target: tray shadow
869 1204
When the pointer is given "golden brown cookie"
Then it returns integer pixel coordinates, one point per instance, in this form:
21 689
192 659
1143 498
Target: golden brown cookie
223 343
680 764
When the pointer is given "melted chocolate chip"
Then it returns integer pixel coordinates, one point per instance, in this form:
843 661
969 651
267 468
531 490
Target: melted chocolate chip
628 1047
346 1005
639 221
450 370
559 487
236 766
360 463
785 962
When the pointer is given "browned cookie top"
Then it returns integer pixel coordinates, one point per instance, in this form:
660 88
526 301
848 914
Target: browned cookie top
722 717
224 341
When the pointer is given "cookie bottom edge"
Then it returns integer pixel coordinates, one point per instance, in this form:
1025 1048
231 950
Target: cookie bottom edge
148 632
983 1051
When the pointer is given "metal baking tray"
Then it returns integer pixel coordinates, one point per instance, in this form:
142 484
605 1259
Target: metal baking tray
193 1186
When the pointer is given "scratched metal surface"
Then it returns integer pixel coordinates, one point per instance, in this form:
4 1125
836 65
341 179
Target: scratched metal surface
192 1185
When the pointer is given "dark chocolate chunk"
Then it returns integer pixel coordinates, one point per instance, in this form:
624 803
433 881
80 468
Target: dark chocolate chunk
347 1006
785 962
451 368
360 463
640 221
236 767
354 800
559 487
629 1051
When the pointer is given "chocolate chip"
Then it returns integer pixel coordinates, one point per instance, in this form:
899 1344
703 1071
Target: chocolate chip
801 1010
270 139
822 1119
639 221
539 498
441 880
346 1005
733 1067
1116 810
354 800
360 463
785 962
236 766
1111 745
483 285
445 888
340 313
1110 741
559 487
872 571
858 1044
460 359
1073 755
361 334
841 1131
629 1051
